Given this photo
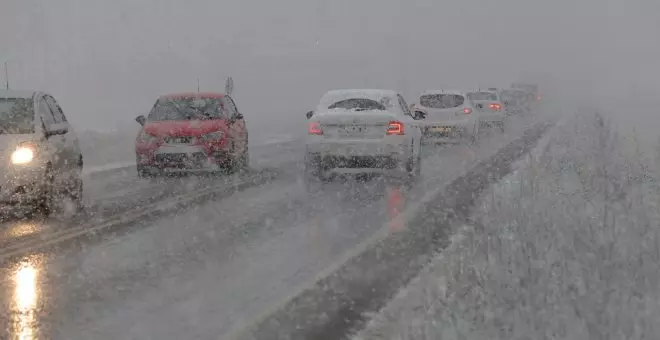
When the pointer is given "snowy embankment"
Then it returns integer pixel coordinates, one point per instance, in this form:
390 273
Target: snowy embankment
566 247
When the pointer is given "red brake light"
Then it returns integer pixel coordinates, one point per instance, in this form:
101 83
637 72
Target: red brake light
495 106
395 128
467 110
314 128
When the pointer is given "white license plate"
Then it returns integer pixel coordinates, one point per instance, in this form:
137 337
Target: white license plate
353 130
442 129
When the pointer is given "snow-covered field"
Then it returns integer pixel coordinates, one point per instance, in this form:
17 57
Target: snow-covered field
566 247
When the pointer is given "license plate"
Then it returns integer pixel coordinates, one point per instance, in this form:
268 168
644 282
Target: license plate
442 129
178 140
354 129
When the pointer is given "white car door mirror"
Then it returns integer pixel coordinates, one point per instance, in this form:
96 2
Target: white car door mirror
56 129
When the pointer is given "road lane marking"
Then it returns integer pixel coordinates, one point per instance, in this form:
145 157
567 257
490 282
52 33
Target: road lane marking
127 217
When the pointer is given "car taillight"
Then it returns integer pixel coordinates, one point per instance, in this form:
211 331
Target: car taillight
495 106
467 110
314 128
146 138
395 128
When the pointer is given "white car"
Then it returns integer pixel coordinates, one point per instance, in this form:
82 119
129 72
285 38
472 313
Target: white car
490 104
448 117
41 157
362 131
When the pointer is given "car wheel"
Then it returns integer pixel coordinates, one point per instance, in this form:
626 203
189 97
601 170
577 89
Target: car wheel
44 203
312 177
474 139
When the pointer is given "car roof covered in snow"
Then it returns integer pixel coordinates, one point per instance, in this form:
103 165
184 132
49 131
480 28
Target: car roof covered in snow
443 92
201 95
334 96
17 94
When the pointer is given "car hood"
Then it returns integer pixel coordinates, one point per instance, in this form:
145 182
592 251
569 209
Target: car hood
193 128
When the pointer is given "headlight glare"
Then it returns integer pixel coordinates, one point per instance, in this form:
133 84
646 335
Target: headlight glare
23 155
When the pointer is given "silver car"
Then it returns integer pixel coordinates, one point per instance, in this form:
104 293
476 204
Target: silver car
362 131
489 103
39 152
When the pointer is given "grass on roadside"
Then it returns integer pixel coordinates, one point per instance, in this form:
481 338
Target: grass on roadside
568 247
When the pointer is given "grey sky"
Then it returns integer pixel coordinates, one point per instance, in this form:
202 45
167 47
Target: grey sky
108 60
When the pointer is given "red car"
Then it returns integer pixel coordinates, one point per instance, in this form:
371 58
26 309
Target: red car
192 133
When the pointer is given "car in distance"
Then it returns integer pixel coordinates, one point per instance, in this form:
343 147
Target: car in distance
448 117
198 132
362 131
490 105
42 160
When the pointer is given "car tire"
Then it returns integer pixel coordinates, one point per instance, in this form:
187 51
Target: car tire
474 139
44 203
312 176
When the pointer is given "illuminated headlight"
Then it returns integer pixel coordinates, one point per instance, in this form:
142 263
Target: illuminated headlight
213 136
22 155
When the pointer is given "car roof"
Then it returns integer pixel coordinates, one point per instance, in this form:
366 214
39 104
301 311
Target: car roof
203 95
443 92
361 92
17 94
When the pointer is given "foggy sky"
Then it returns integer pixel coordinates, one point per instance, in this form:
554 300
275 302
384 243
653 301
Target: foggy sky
107 61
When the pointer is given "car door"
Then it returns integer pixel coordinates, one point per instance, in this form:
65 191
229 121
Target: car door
237 127
54 144
73 159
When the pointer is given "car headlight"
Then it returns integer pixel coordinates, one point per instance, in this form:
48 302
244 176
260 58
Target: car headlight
213 136
23 155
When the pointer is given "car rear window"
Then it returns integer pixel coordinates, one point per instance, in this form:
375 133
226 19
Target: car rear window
358 104
16 116
188 108
482 96
441 101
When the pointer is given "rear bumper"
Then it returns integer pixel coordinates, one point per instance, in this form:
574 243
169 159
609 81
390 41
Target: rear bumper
182 160
320 165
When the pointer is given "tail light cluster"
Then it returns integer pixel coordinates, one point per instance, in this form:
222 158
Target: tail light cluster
495 106
395 128
467 110
314 128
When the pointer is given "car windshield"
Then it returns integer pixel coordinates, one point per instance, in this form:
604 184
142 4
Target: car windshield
188 108
16 116
482 96
441 101
358 104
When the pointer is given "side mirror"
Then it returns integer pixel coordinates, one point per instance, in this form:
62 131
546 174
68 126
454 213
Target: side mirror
309 114
238 116
56 129
419 115
141 119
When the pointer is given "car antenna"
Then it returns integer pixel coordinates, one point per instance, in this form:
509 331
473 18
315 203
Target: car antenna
197 84
7 75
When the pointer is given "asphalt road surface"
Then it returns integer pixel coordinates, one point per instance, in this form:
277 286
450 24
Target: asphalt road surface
200 257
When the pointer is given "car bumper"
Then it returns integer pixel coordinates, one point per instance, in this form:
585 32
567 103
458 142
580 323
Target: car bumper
21 185
183 160
447 132
350 158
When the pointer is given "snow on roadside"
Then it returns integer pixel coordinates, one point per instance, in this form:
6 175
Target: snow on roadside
567 247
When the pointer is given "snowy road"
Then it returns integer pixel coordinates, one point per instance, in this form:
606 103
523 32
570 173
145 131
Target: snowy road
204 269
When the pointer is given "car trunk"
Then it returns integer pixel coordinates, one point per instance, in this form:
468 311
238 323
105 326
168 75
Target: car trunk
355 124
